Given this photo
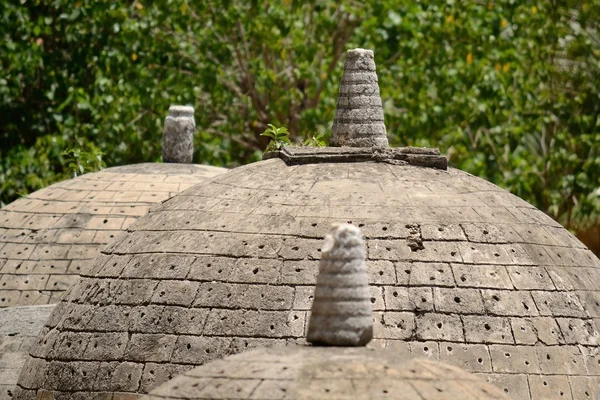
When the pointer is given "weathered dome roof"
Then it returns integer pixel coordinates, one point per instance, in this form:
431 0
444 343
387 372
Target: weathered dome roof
303 372
49 237
460 270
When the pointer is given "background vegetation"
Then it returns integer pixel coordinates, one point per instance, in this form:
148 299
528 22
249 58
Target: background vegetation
510 90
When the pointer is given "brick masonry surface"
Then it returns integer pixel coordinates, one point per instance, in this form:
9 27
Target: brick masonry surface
460 271
19 326
302 372
51 236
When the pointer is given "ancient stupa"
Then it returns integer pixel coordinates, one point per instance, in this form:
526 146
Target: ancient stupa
353 373
461 271
52 235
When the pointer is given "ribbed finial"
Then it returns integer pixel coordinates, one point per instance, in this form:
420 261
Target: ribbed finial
341 313
358 118
178 135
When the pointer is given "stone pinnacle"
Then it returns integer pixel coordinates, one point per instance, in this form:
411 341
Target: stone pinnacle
358 120
178 135
341 312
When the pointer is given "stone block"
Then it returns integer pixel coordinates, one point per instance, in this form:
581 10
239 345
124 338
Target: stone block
544 387
134 291
591 355
155 374
430 274
444 327
393 325
561 360
453 300
256 271
513 385
476 253
245 296
150 347
200 349
482 276
509 303
159 266
106 346
76 375
109 318
548 331
584 387
442 232
69 346
175 292
524 331
530 278
250 323
579 331
168 319
381 272
399 298
559 304
487 329
429 350
514 359
472 357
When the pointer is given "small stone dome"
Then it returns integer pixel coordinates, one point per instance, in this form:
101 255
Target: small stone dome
460 271
49 237
303 372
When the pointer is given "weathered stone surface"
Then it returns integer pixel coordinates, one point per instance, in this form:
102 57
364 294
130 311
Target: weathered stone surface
341 313
19 327
358 120
418 156
178 135
302 372
212 253
50 237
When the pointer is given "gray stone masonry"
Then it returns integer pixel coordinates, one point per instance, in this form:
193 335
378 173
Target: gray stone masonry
460 271
417 156
358 120
51 236
19 326
302 372
178 135
341 314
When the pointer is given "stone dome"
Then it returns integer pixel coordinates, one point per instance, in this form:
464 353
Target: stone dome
460 271
49 237
303 372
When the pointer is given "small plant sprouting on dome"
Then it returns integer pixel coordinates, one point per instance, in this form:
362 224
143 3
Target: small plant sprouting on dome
279 137
317 140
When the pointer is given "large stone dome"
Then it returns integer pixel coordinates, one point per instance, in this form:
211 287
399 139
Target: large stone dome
461 271
304 373
51 236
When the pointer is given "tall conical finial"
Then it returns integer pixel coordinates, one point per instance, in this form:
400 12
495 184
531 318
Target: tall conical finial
178 135
358 120
341 313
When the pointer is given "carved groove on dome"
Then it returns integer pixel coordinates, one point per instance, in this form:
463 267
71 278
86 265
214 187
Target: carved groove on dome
416 156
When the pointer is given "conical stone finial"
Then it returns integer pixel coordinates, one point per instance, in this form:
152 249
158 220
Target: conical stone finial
178 135
358 120
341 313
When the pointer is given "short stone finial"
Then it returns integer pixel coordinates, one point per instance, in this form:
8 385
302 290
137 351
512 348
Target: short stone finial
341 312
178 135
358 120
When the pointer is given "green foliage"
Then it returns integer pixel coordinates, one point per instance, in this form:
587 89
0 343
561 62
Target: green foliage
315 141
509 90
279 137
80 161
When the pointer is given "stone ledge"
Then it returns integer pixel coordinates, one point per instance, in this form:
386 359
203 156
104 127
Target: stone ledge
417 156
